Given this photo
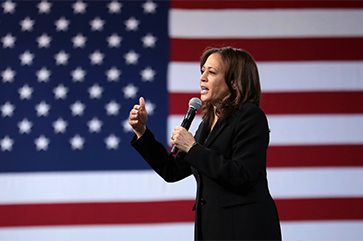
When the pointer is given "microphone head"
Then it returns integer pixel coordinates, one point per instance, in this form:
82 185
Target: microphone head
195 103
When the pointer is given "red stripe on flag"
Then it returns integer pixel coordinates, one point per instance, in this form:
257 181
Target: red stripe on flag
320 209
164 212
281 49
96 213
315 156
263 4
345 102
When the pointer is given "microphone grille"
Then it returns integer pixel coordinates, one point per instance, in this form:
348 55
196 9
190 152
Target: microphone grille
196 103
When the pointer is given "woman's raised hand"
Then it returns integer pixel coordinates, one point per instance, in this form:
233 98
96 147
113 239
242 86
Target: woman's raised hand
138 118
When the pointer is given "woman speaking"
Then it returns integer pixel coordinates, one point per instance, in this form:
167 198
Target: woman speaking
227 154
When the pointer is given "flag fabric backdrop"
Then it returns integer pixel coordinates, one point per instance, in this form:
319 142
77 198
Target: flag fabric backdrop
72 70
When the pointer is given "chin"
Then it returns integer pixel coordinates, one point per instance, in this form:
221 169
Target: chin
203 98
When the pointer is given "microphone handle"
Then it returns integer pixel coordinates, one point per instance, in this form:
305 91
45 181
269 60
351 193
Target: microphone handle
187 121
174 150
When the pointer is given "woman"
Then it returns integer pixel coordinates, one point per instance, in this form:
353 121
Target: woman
227 155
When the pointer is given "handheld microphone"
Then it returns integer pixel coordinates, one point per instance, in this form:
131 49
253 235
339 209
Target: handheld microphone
194 106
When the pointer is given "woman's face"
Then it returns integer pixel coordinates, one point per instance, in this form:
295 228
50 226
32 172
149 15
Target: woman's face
212 83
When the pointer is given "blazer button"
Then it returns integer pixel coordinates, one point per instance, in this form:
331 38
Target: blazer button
202 201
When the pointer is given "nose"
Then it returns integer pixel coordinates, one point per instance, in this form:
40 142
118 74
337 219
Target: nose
203 78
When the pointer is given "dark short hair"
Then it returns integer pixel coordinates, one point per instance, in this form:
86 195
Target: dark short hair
242 79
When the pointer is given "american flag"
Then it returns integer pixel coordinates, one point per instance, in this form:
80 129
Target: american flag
72 70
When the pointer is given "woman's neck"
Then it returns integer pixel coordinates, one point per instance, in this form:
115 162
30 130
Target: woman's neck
215 119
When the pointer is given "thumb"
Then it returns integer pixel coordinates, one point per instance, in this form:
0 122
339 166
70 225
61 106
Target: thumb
142 103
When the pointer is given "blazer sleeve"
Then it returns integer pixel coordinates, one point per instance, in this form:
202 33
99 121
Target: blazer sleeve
170 168
246 161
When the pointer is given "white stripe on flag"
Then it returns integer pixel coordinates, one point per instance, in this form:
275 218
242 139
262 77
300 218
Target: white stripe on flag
157 232
302 129
265 23
312 230
183 77
316 129
315 182
328 230
106 186
91 187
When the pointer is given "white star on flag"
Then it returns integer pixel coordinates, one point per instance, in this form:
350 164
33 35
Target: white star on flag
78 74
62 24
125 124
95 92
130 91
8 41
147 74
77 142
6 143
114 7
42 109
24 126
61 58
79 41
97 24
27 24
114 41
44 41
96 58
26 58
9 6
8 75
7 109
79 7
43 74
44 7
94 125
112 142
131 57
149 40
60 125
25 92
77 108
132 24
150 107
60 92
42 143
113 74
149 7
112 108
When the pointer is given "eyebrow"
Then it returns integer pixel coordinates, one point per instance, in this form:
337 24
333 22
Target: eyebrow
210 67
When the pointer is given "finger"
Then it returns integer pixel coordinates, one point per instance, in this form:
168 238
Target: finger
132 117
133 122
133 114
142 103
178 128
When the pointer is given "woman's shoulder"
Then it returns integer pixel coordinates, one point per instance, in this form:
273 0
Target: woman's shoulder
249 114
248 108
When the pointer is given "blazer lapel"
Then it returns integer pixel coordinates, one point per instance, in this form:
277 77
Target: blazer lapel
202 133
215 132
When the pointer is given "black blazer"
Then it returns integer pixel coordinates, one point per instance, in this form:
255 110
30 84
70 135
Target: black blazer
229 164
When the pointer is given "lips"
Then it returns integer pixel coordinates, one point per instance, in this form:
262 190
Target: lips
203 90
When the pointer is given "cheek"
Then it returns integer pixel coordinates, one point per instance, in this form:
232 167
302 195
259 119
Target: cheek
223 90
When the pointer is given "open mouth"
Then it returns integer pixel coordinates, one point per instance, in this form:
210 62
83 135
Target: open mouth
203 90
